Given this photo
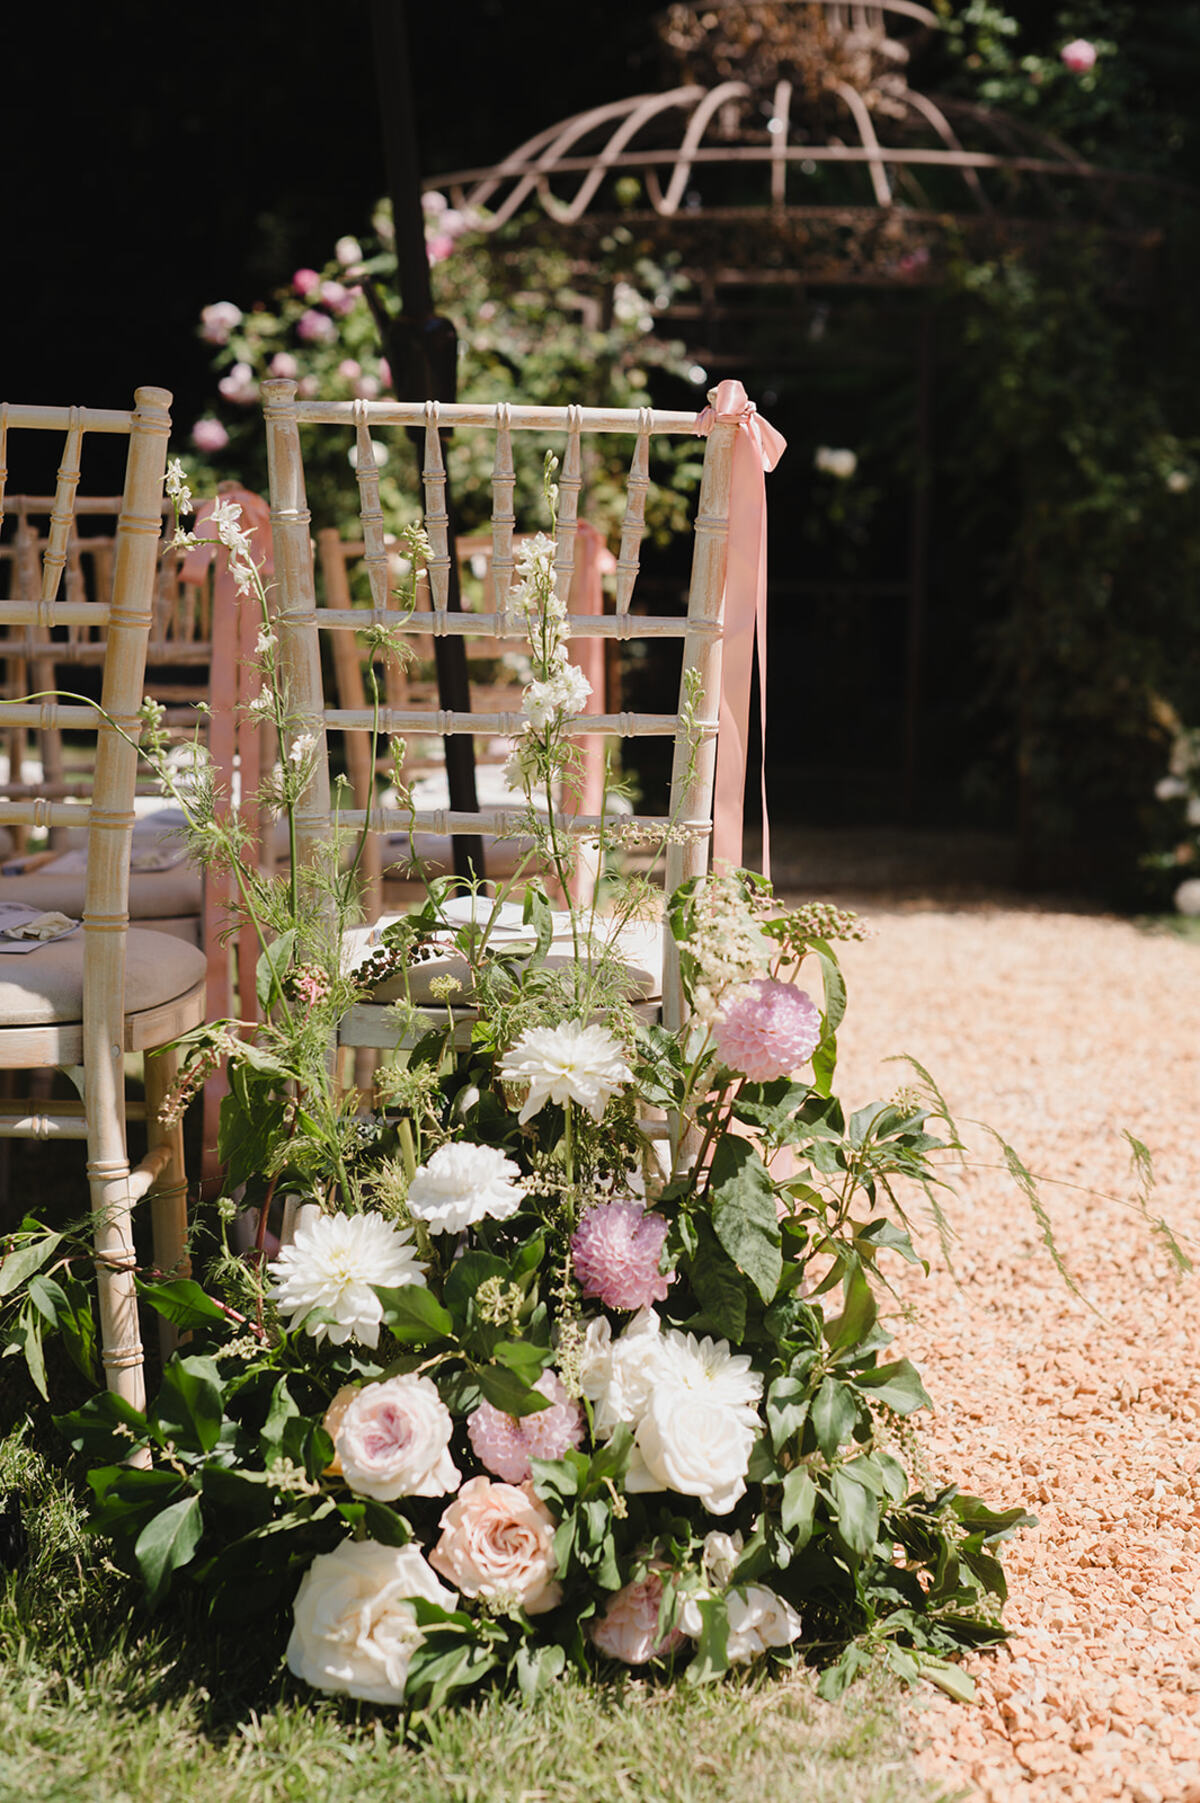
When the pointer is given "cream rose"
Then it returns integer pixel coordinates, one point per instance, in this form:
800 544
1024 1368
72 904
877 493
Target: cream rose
354 1629
694 1445
393 1440
758 1619
498 1542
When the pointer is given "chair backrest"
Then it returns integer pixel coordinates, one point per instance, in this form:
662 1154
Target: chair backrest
38 658
125 621
574 429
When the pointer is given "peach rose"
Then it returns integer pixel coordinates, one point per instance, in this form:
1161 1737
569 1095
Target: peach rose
498 1542
628 1629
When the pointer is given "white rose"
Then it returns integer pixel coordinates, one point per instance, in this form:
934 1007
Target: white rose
758 1619
694 1445
354 1630
721 1553
393 1440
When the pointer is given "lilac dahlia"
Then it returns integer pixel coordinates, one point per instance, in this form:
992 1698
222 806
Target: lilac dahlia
770 1031
504 1444
616 1249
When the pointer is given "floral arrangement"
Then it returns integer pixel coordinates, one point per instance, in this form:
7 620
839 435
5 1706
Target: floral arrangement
518 1378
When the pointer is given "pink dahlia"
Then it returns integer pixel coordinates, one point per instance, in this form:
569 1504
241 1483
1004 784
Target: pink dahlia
616 1249
769 1031
504 1444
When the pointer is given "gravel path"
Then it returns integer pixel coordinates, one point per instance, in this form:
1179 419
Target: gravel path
1059 1029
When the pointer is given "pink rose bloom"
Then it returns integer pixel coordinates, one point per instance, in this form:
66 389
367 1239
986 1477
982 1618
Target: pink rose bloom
628 1629
209 435
316 328
366 388
392 1439
1078 56
239 385
338 298
769 1031
349 369
506 1443
218 321
434 203
305 281
498 1542
615 1250
284 365
307 387
385 372
348 251
439 247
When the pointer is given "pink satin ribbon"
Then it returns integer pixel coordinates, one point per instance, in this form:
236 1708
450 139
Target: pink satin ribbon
756 449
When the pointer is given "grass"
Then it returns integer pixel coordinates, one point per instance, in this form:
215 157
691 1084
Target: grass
99 1701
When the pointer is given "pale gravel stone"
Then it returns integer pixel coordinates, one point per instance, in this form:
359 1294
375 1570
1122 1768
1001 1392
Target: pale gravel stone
1059 1029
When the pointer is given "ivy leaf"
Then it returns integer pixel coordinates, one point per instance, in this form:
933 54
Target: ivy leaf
166 1543
744 1216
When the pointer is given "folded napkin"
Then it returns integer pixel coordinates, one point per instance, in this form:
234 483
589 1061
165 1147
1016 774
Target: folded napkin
24 929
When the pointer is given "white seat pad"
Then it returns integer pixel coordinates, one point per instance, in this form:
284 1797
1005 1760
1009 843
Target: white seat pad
45 987
639 946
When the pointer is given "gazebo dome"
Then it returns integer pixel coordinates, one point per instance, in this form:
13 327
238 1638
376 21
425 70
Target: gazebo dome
796 118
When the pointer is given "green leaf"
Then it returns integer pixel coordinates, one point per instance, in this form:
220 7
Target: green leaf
283 1408
126 1495
799 1502
897 1386
857 1510
181 1302
858 1313
271 970
252 1120
106 1427
744 1215
506 1391
833 1415
538 914
19 1265
951 1678
26 1332
166 1543
189 1407
466 1275
521 1356
720 1288
882 1234
414 1315
787 1409
711 1657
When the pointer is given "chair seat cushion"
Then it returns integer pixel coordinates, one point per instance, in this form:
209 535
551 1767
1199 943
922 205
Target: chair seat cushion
45 987
639 947
153 894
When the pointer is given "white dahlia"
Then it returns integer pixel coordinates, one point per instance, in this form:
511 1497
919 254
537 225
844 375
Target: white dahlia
461 1184
332 1264
571 1063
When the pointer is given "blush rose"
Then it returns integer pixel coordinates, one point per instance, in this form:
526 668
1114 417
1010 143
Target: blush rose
497 1542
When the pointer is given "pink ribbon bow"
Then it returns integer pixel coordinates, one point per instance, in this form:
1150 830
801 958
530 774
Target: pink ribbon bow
756 449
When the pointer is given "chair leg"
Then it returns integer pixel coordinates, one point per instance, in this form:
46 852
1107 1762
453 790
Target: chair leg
120 1335
168 1196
